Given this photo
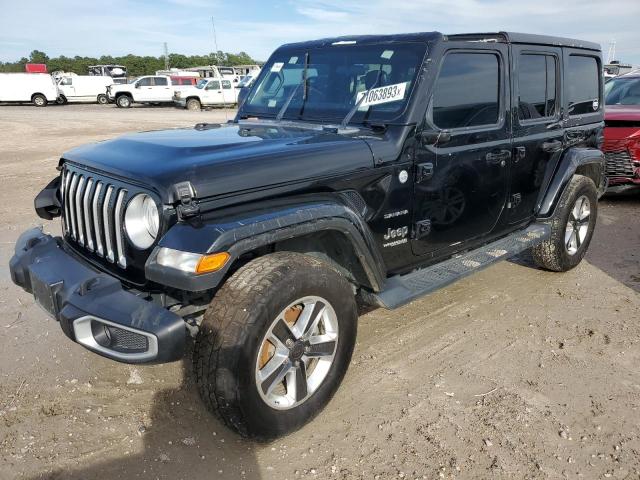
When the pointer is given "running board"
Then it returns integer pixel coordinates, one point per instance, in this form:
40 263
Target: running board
402 289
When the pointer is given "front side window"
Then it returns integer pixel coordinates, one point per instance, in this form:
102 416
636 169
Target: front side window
622 91
66 81
213 85
583 81
325 83
467 92
537 85
145 82
226 84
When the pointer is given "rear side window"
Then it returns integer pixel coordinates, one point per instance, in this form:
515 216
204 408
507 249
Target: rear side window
536 86
583 85
160 81
467 92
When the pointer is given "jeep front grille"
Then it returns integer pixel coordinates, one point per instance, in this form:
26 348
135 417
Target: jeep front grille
93 210
619 164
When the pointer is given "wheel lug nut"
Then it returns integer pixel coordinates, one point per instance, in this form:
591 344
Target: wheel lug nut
289 343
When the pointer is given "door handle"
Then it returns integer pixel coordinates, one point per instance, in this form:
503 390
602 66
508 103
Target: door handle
552 146
424 172
498 158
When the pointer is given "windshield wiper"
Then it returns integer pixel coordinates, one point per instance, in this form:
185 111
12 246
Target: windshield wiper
354 109
303 81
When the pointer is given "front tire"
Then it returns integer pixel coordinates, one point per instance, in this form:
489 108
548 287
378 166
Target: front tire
572 227
194 104
275 344
123 101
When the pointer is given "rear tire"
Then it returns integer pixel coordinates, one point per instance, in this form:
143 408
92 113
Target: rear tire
194 104
123 101
102 99
572 227
39 100
238 379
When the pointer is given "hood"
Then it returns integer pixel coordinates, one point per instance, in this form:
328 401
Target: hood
622 112
223 159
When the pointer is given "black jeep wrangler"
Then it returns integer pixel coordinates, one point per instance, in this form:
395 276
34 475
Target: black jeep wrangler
377 168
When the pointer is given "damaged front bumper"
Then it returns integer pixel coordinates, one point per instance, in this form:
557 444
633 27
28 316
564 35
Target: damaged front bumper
93 308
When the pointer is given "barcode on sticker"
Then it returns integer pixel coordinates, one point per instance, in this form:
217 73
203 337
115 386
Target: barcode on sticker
276 67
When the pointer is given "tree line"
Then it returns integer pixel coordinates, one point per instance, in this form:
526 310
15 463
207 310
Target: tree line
136 64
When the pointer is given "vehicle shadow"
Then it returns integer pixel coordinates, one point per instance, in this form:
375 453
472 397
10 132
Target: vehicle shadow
180 440
615 247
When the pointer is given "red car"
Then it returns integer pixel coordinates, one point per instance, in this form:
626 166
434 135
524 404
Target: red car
622 132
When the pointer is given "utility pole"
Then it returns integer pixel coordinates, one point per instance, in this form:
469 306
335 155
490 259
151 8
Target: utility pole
215 38
612 51
166 56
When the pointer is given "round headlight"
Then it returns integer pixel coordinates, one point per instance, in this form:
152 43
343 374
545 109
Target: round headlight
142 221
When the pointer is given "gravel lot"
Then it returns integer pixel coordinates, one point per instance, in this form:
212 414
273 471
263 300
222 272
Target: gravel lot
511 373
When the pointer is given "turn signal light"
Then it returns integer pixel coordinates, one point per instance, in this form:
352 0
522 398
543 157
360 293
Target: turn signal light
212 262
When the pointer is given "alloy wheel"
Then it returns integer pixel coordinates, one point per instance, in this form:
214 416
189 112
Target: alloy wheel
297 352
577 225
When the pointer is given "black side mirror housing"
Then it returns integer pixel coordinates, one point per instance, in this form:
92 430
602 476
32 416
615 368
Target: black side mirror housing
435 137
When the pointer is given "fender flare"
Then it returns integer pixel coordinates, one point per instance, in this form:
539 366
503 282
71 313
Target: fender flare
239 234
589 161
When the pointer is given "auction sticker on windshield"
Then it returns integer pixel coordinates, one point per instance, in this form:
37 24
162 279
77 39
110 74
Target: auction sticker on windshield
388 94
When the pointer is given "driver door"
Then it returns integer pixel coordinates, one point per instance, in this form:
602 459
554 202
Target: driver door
463 156
213 93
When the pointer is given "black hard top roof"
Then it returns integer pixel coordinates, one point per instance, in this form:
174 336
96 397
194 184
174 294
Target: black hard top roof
503 37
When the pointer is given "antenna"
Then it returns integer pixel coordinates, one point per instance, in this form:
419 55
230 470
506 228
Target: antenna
166 56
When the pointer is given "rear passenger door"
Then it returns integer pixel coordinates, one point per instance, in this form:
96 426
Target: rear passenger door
163 92
537 125
461 183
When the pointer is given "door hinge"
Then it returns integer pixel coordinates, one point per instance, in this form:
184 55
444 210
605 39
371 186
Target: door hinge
424 172
514 200
185 194
422 229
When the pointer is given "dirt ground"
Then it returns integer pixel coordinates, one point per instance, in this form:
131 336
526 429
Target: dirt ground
511 373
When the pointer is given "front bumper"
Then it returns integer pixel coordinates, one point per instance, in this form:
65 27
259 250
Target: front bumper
180 102
93 308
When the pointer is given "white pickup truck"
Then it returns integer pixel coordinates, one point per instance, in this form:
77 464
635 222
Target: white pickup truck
208 92
148 89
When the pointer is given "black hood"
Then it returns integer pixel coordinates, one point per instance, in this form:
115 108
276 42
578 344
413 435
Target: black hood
225 159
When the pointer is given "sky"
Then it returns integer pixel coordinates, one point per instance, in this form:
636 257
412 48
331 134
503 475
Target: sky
118 27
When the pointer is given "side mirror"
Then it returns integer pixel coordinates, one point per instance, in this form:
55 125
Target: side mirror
137 85
435 137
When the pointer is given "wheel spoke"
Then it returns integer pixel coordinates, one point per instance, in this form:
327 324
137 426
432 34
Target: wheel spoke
571 240
300 372
321 346
274 372
309 318
578 240
282 332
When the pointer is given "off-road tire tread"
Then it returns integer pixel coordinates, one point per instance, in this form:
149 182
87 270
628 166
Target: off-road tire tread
226 324
546 254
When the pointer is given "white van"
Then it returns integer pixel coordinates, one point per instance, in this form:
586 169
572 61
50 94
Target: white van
84 88
36 88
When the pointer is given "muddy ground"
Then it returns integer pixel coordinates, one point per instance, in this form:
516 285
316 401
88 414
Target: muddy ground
511 373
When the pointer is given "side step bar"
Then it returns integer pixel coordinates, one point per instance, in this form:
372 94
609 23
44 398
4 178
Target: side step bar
402 289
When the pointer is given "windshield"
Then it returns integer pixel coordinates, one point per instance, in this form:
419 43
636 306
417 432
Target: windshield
622 91
337 77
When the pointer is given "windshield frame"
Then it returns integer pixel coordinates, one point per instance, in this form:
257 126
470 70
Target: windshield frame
300 50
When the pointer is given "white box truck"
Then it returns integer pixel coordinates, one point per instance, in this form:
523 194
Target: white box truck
36 88
84 88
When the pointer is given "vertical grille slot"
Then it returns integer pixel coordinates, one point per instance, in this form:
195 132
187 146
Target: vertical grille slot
87 215
107 224
71 204
122 261
95 206
93 214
